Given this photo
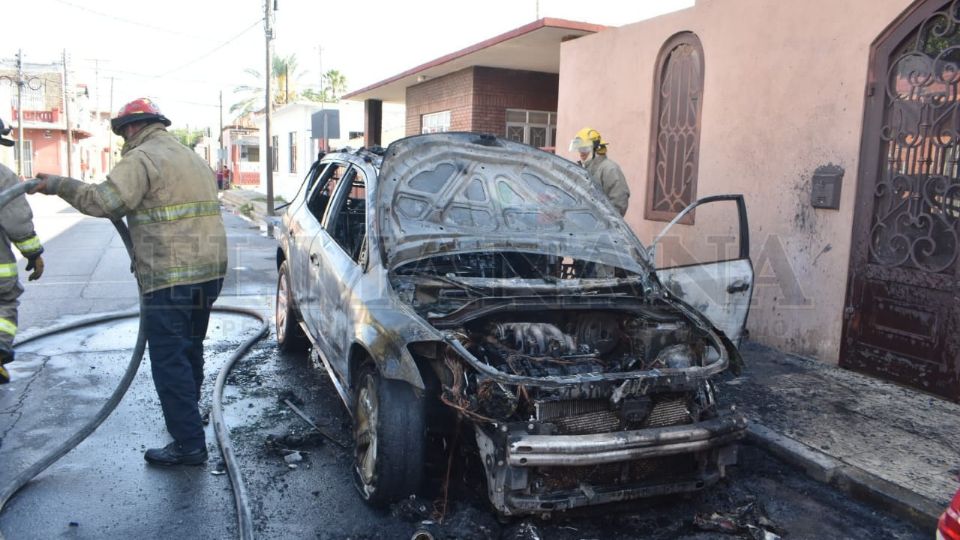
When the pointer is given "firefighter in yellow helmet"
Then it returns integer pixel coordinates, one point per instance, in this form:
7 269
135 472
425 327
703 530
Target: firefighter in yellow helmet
604 172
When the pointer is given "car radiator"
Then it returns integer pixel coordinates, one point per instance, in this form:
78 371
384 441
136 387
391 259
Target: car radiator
590 416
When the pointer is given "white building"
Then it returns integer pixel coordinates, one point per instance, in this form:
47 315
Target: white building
295 148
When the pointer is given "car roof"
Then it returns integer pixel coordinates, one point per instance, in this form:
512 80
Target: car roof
370 154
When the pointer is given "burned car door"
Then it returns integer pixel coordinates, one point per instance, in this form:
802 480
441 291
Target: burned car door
719 284
302 227
318 202
338 247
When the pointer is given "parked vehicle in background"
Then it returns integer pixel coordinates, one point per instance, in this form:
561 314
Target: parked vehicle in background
463 275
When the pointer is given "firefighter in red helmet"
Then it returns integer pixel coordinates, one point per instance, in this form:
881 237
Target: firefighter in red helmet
16 228
168 195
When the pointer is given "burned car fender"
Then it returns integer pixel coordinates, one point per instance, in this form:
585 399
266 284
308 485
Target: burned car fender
385 334
393 361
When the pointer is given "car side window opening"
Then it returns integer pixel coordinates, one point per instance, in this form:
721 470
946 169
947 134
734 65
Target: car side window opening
327 184
317 171
347 223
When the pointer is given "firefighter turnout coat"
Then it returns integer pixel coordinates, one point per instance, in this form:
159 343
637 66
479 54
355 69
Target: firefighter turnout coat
169 196
608 176
16 220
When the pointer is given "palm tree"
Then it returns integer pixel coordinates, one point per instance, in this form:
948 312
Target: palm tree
333 85
284 85
336 84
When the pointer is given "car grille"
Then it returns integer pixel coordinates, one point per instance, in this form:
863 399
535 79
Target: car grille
548 410
652 470
587 424
668 410
590 416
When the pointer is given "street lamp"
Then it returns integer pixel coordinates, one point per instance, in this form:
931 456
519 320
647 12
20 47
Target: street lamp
33 83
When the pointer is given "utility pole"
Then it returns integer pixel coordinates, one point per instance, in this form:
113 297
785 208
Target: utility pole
19 112
322 137
268 8
21 81
96 82
66 114
221 159
110 159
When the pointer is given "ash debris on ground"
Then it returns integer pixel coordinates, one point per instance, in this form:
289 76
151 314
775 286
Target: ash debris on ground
318 498
748 520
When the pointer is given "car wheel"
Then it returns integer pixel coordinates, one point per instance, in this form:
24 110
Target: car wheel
290 336
389 437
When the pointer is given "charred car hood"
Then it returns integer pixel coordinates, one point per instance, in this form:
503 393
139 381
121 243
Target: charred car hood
461 192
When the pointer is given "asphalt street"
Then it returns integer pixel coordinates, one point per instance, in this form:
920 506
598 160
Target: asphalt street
300 482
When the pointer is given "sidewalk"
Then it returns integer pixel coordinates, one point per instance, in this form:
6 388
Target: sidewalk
249 203
878 441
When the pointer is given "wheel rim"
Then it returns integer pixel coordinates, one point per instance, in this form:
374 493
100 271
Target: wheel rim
365 433
282 312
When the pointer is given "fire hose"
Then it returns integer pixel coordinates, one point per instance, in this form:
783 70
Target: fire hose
241 501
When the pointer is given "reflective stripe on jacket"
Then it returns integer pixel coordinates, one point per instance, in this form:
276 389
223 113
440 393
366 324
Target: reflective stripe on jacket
16 222
169 196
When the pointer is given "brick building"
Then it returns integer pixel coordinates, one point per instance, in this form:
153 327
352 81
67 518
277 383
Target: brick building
506 85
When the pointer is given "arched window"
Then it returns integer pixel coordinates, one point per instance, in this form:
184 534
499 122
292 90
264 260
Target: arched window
675 134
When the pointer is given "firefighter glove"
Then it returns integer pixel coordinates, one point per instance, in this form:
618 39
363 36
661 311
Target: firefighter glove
49 184
35 264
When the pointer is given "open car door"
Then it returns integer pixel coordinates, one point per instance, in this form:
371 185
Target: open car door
708 266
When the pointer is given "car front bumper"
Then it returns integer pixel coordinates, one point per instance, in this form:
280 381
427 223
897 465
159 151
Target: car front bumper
578 450
523 468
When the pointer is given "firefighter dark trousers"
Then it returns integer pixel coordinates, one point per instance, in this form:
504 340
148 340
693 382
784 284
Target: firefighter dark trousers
10 291
176 323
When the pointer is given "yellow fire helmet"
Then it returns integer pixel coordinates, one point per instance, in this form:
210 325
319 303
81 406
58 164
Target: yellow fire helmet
588 140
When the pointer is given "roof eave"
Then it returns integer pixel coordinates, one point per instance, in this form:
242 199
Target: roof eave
547 22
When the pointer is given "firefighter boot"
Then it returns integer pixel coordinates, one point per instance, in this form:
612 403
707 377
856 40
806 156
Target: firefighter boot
6 356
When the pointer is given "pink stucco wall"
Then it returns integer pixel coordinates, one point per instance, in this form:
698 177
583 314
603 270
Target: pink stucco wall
783 94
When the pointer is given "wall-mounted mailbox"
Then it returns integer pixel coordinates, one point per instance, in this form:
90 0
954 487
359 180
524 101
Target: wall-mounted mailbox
825 190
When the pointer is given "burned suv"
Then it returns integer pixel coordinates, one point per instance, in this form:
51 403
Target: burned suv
462 281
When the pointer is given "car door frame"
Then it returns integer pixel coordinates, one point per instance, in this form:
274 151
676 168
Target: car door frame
340 273
729 315
301 227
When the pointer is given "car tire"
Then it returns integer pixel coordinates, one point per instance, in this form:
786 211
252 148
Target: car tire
290 337
389 437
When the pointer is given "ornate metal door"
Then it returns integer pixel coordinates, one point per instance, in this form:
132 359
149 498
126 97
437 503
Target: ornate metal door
902 317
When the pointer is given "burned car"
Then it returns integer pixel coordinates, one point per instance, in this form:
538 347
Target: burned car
462 281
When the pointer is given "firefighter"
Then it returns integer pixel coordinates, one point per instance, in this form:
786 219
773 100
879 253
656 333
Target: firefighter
16 221
168 195
604 172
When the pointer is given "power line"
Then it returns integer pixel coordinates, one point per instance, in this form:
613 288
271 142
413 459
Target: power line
211 51
130 21
212 105
137 75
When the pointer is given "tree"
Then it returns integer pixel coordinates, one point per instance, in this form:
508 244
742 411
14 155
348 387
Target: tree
188 137
336 84
333 86
312 95
284 88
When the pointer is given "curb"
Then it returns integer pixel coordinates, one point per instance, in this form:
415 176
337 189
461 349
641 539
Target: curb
854 481
235 202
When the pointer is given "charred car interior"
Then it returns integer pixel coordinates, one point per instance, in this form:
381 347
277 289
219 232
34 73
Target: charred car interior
459 281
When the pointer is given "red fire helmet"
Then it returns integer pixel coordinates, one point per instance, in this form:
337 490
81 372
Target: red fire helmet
138 110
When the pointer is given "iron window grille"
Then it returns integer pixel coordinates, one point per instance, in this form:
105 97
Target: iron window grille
675 131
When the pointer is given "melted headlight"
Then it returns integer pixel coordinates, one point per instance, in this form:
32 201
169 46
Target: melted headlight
680 356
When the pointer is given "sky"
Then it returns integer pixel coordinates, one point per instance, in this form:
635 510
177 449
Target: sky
184 53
